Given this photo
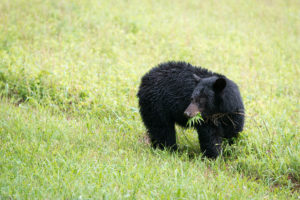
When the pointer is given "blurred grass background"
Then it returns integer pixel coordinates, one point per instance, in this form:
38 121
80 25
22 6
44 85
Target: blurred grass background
69 73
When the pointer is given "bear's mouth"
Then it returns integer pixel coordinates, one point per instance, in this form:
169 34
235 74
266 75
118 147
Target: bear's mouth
192 110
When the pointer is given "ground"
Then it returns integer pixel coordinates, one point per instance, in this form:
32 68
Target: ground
69 121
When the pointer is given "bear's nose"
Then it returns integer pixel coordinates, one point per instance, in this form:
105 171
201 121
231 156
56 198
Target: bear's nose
187 113
191 110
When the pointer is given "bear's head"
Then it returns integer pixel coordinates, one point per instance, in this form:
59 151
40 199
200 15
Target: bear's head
206 96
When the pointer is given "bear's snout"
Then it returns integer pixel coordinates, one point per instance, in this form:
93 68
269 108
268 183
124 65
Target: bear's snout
192 110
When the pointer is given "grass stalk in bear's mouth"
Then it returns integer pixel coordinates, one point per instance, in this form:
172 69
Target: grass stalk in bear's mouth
197 119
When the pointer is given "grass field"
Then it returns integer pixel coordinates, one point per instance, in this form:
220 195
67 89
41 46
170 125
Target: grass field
69 121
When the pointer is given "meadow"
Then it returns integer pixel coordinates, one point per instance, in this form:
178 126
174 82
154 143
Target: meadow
69 119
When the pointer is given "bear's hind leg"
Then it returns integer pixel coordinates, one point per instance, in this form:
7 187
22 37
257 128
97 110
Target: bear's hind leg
163 136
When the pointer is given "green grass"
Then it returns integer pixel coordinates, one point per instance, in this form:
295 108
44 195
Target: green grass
69 121
197 119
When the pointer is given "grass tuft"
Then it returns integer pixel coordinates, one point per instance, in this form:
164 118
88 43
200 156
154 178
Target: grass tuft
197 119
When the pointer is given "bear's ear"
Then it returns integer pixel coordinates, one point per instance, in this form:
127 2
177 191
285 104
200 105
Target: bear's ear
197 78
219 84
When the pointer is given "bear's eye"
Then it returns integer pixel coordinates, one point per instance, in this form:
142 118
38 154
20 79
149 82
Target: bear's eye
202 100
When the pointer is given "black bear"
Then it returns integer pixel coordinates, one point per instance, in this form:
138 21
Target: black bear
173 92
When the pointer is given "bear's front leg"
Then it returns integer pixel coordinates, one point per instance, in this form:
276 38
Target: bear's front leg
210 141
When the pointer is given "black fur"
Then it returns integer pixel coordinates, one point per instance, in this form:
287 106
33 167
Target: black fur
168 89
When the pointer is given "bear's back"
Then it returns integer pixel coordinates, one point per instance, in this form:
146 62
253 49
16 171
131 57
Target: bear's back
173 73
